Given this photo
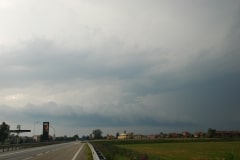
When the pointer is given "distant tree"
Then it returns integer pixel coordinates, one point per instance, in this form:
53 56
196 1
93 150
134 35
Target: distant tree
12 139
211 132
60 138
85 138
162 135
41 138
4 132
97 134
117 134
76 137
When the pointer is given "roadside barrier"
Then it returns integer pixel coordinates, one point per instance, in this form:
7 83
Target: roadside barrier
97 155
6 148
13 147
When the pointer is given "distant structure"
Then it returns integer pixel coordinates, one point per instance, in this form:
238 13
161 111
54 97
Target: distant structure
18 131
125 135
110 137
227 134
45 131
36 138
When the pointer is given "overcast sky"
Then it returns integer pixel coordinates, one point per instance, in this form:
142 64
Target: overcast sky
146 66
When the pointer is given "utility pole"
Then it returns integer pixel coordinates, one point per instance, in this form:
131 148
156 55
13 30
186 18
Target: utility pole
18 128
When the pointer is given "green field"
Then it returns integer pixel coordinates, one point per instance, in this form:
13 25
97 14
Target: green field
188 151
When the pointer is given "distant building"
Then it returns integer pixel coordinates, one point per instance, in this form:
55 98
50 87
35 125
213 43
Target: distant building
173 135
199 135
186 134
152 137
227 134
36 138
125 135
110 137
139 137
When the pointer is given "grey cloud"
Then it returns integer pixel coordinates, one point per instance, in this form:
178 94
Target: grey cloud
42 60
64 115
179 70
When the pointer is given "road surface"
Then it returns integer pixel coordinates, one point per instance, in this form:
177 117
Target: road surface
66 151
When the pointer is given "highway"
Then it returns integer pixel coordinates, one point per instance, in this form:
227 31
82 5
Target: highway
66 151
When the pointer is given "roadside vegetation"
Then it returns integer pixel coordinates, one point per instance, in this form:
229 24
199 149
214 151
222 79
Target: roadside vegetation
89 152
174 149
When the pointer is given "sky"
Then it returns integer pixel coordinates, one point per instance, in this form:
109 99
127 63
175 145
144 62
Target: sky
144 66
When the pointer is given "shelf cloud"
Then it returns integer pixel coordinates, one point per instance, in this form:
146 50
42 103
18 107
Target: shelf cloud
160 65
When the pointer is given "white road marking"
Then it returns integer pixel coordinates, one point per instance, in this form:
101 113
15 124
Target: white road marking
7 154
28 158
76 154
4 154
39 154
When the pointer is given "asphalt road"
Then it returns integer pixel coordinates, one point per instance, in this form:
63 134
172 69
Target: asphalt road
66 151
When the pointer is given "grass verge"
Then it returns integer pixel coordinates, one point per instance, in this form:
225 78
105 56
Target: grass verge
89 152
185 151
174 150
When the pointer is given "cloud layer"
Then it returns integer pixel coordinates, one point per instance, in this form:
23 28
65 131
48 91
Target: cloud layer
158 65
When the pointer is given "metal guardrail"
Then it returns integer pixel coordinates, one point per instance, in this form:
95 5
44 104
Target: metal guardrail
6 148
13 147
97 155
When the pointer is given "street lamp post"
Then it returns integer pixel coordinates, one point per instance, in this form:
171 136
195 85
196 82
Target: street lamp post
18 128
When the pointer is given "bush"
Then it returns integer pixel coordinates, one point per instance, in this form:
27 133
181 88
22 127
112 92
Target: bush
229 156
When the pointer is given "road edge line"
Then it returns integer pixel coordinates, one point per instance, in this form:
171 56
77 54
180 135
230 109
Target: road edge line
76 154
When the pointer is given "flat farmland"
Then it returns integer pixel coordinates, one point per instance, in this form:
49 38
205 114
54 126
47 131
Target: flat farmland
188 151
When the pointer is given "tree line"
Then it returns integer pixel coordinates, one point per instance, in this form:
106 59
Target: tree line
5 135
4 132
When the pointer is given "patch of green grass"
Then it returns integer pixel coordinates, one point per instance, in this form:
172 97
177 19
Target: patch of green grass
120 157
189 151
89 152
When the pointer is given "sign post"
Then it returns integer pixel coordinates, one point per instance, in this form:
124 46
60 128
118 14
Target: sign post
45 131
19 130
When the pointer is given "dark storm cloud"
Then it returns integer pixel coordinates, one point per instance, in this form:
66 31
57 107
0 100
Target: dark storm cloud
207 86
177 70
71 118
43 60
